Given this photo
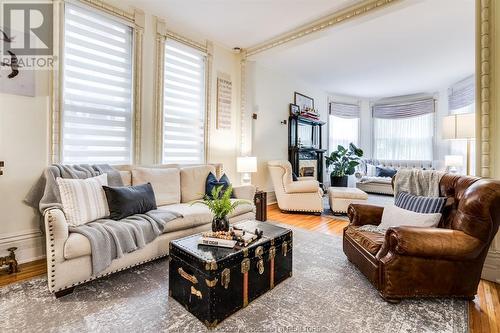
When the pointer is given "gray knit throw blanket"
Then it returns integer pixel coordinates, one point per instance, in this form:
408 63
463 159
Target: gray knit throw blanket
418 182
110 239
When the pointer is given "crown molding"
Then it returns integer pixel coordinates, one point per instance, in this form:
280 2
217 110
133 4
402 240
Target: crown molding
331 20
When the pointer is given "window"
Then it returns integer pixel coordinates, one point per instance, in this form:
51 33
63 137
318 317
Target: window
404 131
183 104
97 88
343 125
342 131
404 138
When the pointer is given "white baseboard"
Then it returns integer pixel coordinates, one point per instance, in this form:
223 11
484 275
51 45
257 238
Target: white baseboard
271 198
491 269
30 245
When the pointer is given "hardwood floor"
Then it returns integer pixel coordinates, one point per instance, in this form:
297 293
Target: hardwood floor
484 310
26 271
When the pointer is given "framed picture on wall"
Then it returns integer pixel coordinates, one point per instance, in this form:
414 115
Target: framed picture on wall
294 109
303 101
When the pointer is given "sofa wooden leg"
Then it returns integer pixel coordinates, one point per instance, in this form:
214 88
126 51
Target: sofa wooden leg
317 213
64 292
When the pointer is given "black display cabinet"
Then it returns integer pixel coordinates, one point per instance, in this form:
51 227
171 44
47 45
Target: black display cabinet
304 144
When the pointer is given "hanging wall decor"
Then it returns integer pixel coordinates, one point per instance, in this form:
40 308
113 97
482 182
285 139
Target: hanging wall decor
224 96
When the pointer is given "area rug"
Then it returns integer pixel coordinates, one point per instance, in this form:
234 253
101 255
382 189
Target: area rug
325 294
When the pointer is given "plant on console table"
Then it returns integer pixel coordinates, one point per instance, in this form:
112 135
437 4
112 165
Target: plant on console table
343 163
219 203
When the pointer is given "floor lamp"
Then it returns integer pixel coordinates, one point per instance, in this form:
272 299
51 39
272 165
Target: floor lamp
460 127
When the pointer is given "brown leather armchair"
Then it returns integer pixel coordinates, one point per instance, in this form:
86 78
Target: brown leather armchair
422 262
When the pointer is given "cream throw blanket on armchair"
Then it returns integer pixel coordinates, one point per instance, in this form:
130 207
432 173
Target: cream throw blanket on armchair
418 182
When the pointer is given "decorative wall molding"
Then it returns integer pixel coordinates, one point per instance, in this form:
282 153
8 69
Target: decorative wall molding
335 18
208 98
491 267
161 35
30 244
483 69
136 19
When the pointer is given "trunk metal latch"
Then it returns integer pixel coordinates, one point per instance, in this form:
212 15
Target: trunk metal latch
225 277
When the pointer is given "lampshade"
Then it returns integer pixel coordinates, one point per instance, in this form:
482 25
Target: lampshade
459 126
246 164
453 161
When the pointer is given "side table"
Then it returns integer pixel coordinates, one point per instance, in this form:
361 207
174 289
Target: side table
260 201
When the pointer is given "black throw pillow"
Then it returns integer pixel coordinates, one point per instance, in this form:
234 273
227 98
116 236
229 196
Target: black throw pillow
212 182
124 201
385 172
294 177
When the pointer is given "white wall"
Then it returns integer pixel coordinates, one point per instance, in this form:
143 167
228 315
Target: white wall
24 143
269 94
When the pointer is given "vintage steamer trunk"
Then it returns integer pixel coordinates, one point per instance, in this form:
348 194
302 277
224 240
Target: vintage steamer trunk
212 282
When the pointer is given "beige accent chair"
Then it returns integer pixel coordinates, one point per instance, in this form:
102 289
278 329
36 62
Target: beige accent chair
303 195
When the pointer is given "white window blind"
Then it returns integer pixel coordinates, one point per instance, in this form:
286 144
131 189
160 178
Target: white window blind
97 88
183 104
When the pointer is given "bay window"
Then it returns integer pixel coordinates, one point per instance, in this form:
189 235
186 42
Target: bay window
404 131
343 125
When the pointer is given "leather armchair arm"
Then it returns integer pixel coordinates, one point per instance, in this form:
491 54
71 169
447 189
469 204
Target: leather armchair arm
361 214
431 242
302 186
246 192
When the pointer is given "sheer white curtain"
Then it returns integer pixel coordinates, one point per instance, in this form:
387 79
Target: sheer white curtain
342 131
404 138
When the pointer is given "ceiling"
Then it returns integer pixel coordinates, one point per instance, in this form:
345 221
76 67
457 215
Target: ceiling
422 46
240 23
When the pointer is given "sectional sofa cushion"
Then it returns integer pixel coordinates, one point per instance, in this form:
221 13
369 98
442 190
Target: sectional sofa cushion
193 181
125 201
166 183
83 200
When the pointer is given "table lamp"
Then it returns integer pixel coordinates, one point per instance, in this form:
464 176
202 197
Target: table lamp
246 165
460 126
452 162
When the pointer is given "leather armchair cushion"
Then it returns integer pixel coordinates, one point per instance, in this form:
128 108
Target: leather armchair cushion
361 214
370 241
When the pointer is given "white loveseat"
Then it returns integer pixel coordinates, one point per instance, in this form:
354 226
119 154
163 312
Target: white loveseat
69 254
370 183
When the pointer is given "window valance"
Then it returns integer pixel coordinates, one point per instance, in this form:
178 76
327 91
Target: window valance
461 94
404 110
344 110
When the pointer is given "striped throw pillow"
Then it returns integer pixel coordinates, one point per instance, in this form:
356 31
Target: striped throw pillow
419 204
83 200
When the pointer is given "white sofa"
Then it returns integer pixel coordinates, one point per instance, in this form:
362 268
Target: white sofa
69 254
370 183
302 195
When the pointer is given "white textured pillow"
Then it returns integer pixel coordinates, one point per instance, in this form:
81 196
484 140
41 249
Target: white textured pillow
396 217
83 200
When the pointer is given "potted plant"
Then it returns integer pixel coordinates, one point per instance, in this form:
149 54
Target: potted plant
343 163
221 206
